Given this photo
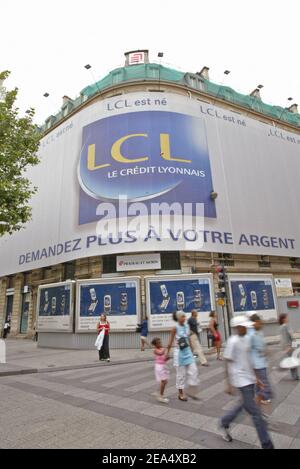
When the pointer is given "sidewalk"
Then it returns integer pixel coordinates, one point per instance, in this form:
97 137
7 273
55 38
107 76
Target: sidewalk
24 356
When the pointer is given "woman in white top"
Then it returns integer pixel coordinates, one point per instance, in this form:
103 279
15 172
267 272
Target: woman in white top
184 361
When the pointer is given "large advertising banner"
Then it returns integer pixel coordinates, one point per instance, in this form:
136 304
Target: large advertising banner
170 293
55 307
174 167
253 293
112 169
118 298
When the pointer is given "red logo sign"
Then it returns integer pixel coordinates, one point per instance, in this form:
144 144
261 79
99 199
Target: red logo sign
136 58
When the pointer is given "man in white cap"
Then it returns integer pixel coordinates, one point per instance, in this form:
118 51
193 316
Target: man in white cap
241 375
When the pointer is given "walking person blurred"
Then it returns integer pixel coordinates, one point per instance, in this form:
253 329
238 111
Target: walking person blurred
287 341
240 374
195 338
103 325
35 334
144 334
183 358
161 370
258 353
215 334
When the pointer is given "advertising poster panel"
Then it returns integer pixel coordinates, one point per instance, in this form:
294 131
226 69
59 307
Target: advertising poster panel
55 307
255 293
118 298
169 293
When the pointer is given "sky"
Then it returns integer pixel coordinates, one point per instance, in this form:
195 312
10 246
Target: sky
45 45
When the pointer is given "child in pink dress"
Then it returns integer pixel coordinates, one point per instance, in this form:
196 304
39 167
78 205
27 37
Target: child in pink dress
161 370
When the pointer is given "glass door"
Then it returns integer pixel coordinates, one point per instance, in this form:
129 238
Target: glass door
24 314
9 307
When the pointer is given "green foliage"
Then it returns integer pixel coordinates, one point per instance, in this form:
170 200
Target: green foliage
19 143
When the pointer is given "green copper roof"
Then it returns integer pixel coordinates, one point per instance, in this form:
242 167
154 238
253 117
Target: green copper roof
137 72
156 72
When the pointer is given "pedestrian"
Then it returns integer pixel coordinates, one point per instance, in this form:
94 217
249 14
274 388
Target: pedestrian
287 341
144 334
184 361
6 329
259 360
215 334
195 338
240 374
35 334
103 325
161 369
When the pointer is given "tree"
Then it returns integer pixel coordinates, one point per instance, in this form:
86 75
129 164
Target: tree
19 143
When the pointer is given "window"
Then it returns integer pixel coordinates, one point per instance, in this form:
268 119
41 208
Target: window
10 282
264 262
170 260
110 264
226 259
296 288
65 111
69 270
295 263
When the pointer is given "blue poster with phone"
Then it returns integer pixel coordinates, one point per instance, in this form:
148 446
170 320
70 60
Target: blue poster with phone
167 296
112 299
55 301
252 295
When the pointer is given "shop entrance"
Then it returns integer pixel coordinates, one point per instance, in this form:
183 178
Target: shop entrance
24 314
9 307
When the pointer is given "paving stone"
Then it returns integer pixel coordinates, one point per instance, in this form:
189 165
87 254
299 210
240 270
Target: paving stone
155 410
281 441
287 413
131 404
295 444
244 433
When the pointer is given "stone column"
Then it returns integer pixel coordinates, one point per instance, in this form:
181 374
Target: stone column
35 277
95 267
82 268
57 272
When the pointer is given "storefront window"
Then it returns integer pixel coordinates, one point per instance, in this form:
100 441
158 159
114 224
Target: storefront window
24 314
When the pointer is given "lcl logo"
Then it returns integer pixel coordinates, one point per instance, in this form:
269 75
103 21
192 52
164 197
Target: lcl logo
144 155
117 155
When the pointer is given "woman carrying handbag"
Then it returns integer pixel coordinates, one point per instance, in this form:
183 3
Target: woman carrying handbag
103 328
183 358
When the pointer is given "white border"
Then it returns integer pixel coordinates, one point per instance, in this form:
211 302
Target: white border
159 278
269 315
68 330
94 320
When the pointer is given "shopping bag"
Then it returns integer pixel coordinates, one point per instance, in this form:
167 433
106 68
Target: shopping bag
99 340
289 363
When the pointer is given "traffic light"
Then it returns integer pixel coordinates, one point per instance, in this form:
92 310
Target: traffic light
221 279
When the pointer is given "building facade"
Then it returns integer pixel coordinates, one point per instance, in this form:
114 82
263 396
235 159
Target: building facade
245 178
